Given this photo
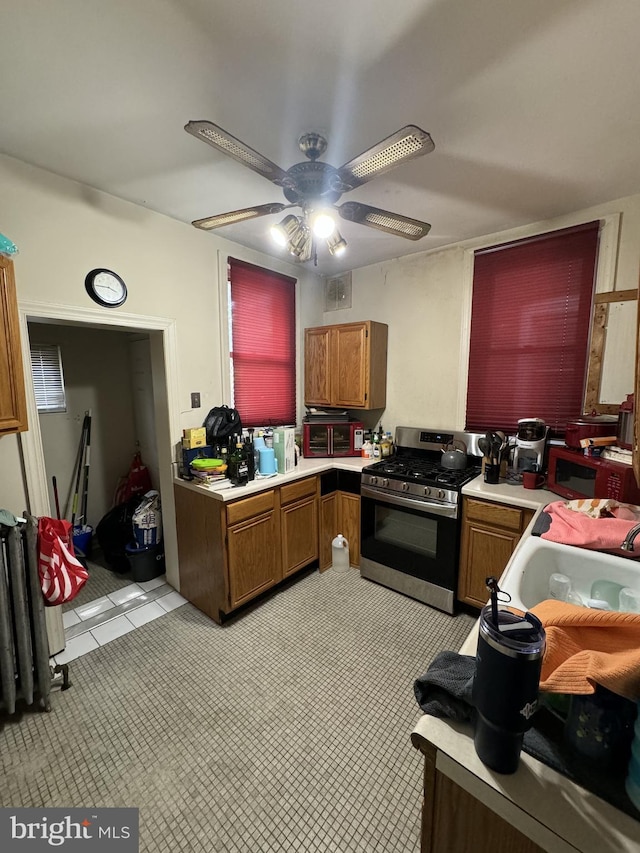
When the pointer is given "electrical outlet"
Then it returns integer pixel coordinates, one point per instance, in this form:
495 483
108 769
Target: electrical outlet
195 400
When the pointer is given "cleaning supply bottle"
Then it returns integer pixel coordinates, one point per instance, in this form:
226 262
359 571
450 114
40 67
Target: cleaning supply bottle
367 450
340 554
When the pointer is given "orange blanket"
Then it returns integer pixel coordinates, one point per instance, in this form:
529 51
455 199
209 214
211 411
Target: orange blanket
587 647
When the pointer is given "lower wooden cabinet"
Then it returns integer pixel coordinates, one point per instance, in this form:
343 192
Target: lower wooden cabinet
339 513
490 533
328 524
453 820
299 528
253 557
229 553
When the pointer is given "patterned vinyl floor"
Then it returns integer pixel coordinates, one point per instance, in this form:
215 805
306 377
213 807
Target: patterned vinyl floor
287 729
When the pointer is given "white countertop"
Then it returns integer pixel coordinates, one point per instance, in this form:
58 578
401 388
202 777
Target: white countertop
505 493
224 491
553 811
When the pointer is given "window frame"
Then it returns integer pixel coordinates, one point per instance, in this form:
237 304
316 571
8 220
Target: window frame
37 349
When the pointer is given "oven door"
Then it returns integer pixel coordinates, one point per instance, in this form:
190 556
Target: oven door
410 545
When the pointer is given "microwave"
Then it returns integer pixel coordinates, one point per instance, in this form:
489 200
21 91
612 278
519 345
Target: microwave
573 475
343 438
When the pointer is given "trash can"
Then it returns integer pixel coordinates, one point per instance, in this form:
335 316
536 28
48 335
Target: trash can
146 563
82 541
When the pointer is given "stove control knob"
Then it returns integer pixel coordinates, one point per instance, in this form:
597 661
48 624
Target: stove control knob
427 491
441 494
385 482
405 487
374 481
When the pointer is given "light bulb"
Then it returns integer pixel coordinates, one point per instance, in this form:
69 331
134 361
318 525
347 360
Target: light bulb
323 225
283 231
336 244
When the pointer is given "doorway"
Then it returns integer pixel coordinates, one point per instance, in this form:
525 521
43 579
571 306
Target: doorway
161 336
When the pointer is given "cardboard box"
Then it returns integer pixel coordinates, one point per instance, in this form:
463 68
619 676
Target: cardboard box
284 441
194 437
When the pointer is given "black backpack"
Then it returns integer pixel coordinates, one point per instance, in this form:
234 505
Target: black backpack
220 423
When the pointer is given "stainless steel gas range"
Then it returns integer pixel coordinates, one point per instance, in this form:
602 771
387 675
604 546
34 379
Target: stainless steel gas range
410 520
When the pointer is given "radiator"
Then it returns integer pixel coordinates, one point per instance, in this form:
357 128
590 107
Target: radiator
24 649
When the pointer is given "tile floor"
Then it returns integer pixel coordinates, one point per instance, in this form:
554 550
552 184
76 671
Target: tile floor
95 623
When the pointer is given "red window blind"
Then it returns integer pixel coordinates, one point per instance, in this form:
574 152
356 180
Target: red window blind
530 321
263 344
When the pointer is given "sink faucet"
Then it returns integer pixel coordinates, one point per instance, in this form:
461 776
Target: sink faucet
627 545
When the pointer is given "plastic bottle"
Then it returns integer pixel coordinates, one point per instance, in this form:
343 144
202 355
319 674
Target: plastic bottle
376 445
367 450
340 554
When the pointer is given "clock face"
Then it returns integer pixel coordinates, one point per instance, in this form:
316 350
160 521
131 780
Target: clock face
106 288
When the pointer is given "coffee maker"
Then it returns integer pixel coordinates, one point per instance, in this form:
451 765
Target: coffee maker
531 445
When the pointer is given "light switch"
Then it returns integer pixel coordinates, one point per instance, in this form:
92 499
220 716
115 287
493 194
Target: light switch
195 400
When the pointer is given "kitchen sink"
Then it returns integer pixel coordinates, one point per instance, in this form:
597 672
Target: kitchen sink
526 577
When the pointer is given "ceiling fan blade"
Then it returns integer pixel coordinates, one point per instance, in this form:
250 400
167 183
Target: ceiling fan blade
228 144
401 146
234 216
383 220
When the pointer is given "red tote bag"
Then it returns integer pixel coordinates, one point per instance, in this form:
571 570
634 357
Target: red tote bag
62 576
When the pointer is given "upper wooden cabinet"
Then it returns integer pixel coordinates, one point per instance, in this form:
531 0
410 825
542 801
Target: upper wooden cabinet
13 406
345 366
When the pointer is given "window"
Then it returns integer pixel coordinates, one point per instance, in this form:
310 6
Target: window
530 320
48 380
262 344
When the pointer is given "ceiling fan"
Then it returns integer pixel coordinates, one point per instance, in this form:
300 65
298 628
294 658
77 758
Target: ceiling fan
316 186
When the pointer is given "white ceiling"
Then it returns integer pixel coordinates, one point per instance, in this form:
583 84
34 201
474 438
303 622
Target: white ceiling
533 105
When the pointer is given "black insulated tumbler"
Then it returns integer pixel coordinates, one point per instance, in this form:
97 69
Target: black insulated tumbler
505 686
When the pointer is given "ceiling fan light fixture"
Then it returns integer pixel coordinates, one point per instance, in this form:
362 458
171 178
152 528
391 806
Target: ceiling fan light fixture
285 230
323 225
301 243
336 244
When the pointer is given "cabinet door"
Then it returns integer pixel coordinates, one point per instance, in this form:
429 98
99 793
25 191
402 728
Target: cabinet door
490 533
328 528
299 534
481 830
350 358
13 407
349 523
485 552
253 553
317 366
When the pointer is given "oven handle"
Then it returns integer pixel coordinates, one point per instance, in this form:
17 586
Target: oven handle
426 507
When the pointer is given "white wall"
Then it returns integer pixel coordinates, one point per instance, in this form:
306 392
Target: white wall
173 271
426 298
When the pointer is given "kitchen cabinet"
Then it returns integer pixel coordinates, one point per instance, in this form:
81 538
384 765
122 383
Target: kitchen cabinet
13 406
455 821
345 366
299 518
231 552
253 552
490 533
339 513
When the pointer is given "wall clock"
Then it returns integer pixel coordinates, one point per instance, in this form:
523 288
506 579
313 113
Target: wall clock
106 288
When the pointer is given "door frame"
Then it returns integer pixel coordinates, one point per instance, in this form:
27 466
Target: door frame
165 391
